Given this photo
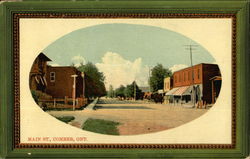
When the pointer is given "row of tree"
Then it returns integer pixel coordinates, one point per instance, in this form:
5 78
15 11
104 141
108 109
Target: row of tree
95 82
130 91
156 82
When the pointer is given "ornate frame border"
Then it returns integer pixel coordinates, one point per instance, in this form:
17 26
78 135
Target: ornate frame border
16 17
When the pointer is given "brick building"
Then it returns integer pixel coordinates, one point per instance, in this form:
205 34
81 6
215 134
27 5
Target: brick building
60 82
51 84
197 83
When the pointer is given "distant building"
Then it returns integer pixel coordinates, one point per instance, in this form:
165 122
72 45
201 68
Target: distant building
60 82
144 89
168 84
37 78
201 82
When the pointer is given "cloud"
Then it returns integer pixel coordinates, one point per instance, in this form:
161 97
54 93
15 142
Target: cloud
178 67
119 71
77 60
53 64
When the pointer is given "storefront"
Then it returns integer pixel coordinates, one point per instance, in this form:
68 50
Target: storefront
216 85
184 95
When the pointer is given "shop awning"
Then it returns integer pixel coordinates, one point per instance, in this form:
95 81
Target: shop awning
180 91
188 91
171 91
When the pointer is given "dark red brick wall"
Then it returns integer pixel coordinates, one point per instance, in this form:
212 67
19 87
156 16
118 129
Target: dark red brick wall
63 85
184 76
206 72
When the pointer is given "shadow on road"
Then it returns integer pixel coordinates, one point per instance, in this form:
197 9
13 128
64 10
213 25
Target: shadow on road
116 101
121 107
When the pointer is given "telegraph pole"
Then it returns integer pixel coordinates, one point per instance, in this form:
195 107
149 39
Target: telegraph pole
149 74
74 91
134 90
190 48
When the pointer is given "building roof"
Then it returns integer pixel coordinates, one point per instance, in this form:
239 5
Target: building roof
43 57
64 67
215 78
167 77
58 67
194 66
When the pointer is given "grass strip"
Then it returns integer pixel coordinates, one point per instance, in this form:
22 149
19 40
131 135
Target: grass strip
101 126
66 119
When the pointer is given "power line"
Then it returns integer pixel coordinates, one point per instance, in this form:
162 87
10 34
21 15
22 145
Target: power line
191 48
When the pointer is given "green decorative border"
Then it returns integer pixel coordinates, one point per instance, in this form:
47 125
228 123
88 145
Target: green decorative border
21 15
239 8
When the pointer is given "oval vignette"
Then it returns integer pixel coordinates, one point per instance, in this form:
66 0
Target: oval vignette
113 79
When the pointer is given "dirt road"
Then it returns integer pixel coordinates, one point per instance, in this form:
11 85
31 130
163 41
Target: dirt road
137 117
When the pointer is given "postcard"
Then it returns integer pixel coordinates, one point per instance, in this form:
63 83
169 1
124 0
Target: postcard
125 80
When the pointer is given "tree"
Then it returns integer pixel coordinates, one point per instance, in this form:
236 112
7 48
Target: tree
91 70
156 80
111 92
94 80
130 90
120 92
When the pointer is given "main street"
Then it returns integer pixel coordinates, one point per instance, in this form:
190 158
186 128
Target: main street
135 117
139 117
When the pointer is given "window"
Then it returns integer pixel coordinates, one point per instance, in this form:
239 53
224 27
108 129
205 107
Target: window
189 75
184 74
176 79
52 76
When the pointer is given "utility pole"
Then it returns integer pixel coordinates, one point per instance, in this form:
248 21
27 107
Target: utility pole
134 90
74 91
190 48
149 74
83 85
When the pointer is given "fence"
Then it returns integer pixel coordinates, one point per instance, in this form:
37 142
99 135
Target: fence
62 102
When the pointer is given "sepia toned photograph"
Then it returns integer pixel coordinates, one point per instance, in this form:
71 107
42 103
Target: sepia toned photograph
125 79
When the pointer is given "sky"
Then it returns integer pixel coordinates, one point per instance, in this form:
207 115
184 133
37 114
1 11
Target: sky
125 52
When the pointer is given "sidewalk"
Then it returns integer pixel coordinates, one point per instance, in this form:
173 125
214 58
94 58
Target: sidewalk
79 115
92 105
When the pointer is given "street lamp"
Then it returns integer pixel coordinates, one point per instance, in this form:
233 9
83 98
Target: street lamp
74 91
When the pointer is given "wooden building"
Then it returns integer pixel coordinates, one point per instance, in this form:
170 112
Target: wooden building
37 78
195 84
168 84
